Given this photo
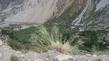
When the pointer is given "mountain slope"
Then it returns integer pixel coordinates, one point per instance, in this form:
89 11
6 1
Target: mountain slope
30 11
85 15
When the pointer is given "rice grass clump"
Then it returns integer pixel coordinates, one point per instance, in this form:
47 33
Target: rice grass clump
45 40
14 58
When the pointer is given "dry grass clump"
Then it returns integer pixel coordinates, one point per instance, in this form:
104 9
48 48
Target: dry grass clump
61 47
99 59
49 40
14 58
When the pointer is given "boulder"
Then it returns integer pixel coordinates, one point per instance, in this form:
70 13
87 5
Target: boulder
64 57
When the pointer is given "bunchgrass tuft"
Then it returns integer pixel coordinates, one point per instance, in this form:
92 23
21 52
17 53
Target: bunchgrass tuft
46 40
14 58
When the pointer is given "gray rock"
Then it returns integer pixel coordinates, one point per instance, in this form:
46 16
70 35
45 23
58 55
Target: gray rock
1 43
63 57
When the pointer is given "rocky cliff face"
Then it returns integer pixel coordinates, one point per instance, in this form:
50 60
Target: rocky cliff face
29 11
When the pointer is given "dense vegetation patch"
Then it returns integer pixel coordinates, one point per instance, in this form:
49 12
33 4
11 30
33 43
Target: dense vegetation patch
92 41
19 38
38 39
21 35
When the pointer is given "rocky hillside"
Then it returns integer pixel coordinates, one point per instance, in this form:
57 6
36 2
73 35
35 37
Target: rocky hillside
85 15
38 11
30 11
94 15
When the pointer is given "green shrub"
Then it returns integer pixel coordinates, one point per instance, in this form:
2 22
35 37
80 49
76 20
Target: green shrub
21 36
38 39
19 40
